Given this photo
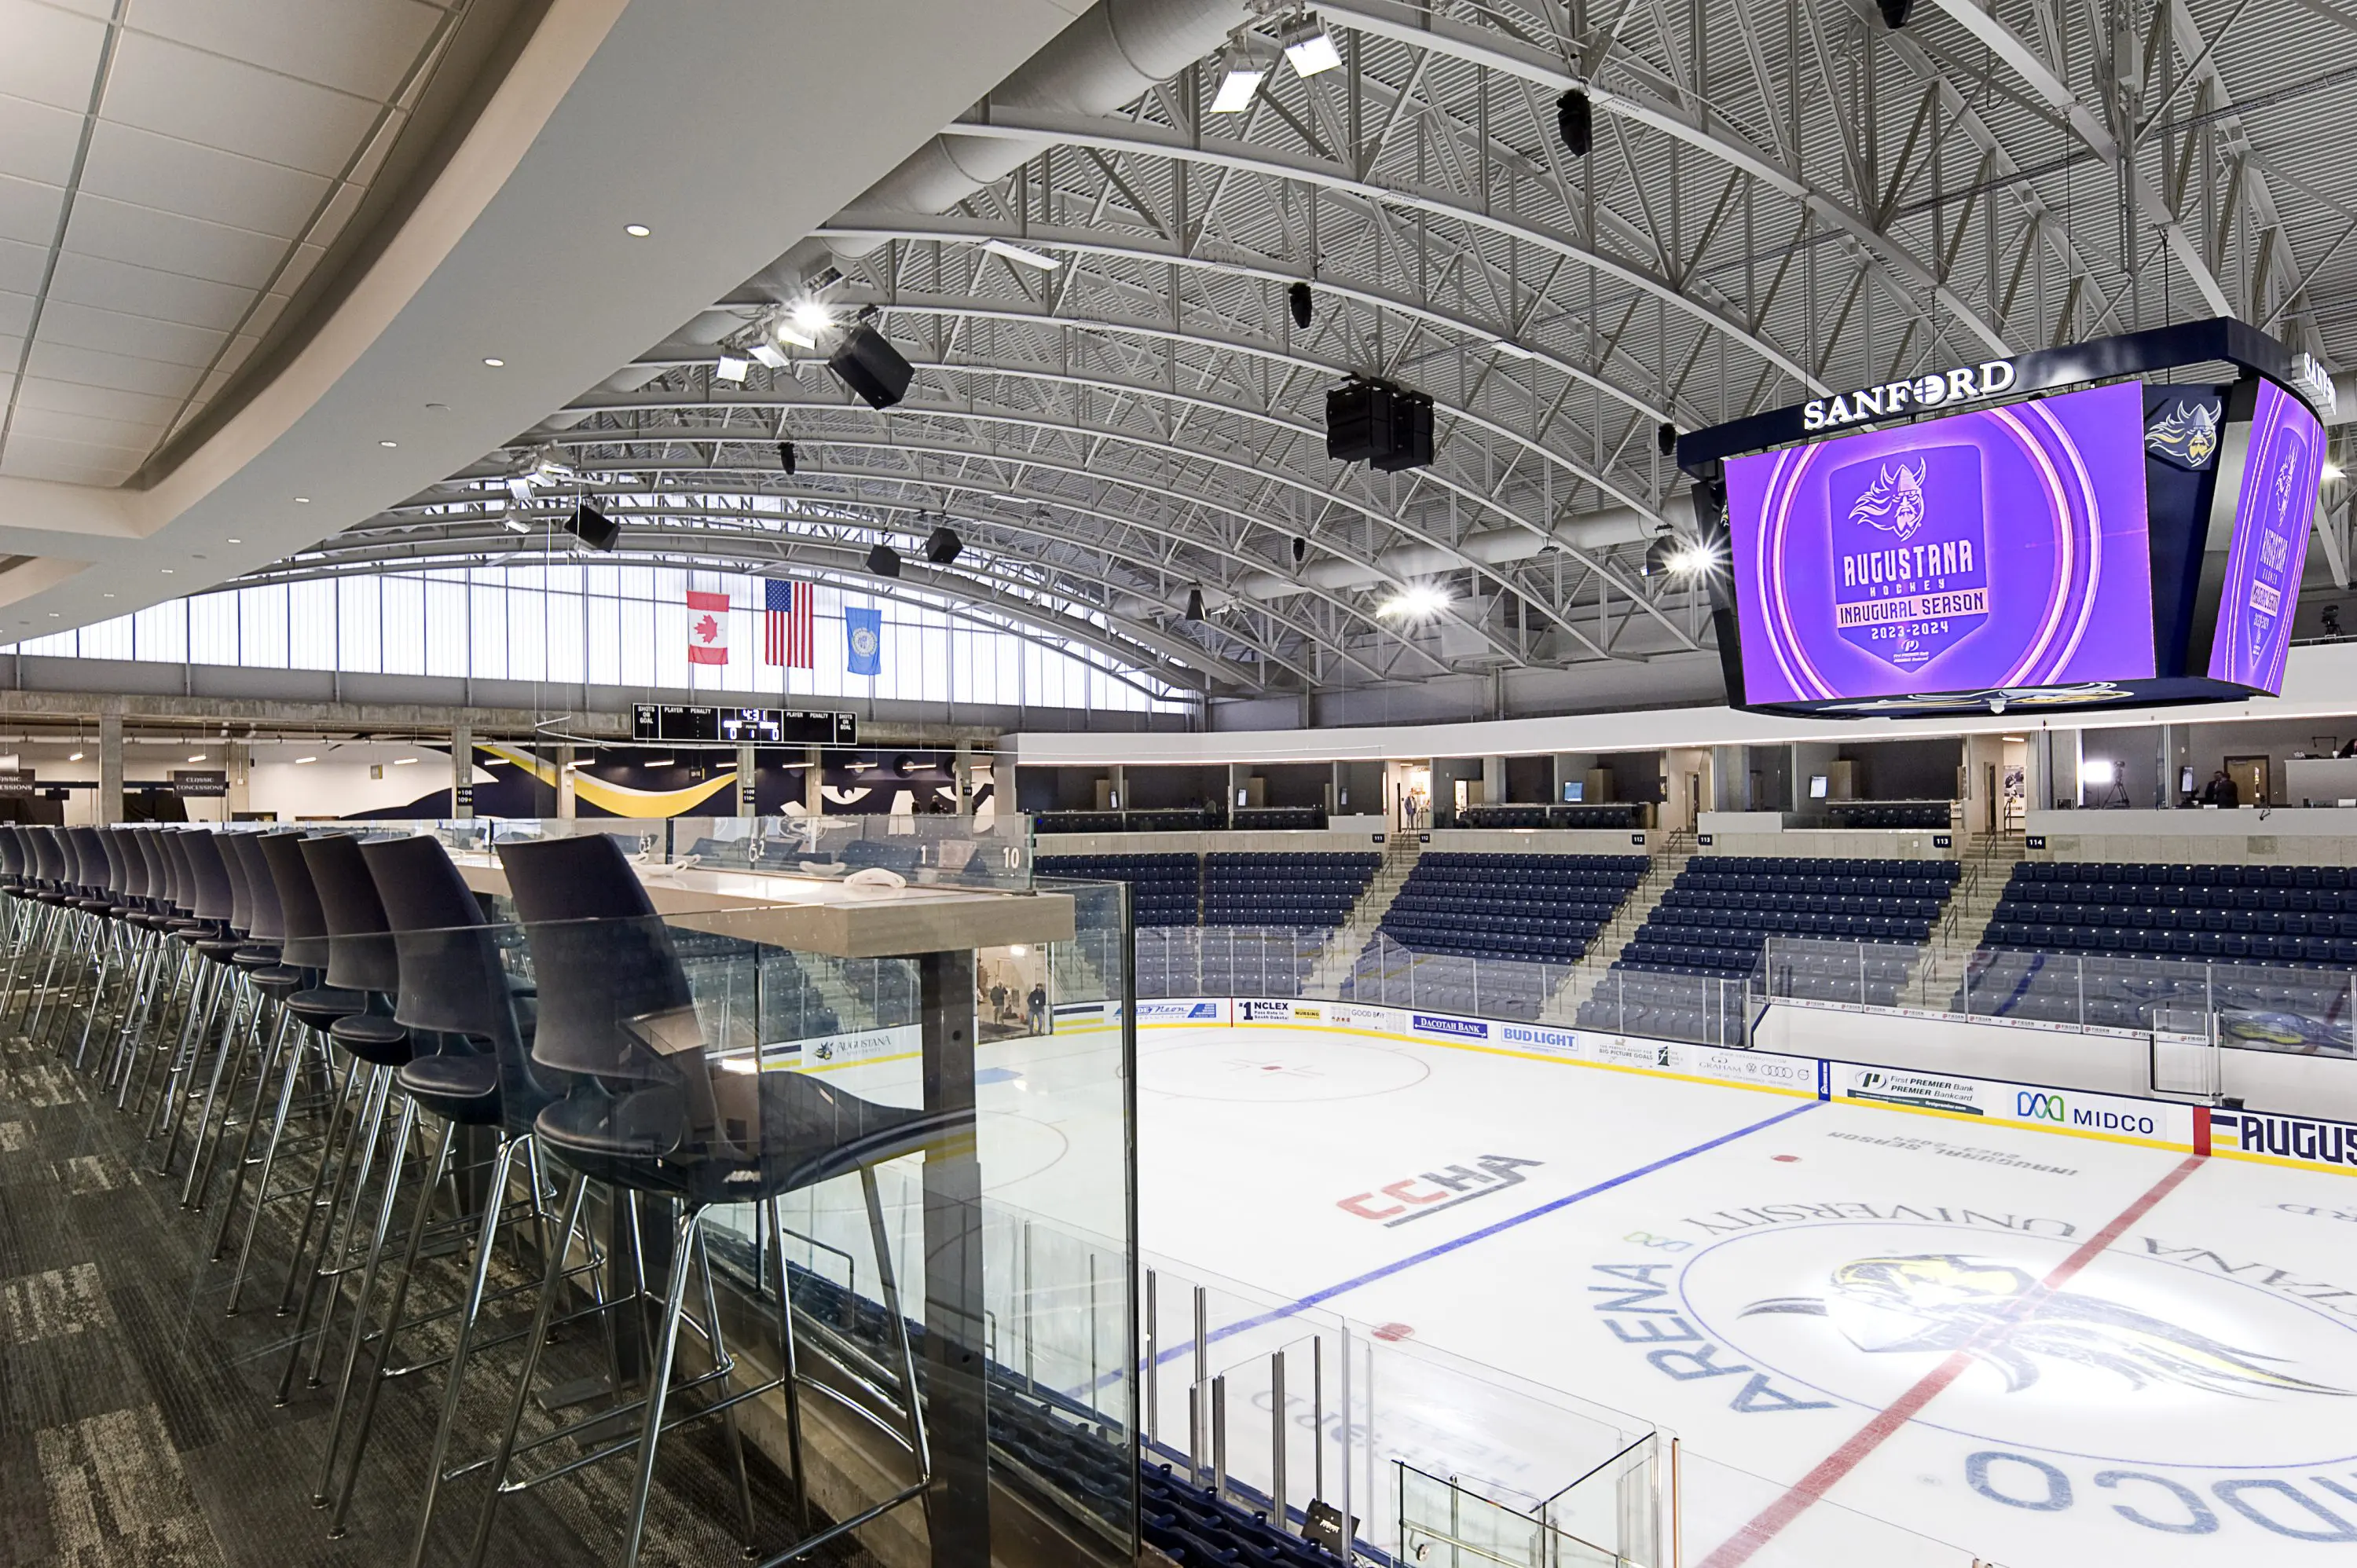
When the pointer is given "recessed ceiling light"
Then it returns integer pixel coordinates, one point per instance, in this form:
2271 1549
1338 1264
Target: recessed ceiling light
74 757
637 231
167 571
301 760
302 500
198 757
237 542
388 443
403 761
493 360
110 596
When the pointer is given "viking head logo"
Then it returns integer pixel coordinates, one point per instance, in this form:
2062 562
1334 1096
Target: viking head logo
1894 502
2190 435
1995 1313
2284 477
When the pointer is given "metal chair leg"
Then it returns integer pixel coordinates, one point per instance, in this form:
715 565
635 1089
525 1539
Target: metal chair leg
684 1238
552 1278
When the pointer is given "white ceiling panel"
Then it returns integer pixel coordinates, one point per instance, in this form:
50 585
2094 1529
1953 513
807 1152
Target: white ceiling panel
151 409
87 429
359 46
147 291
141 336
29 210
52 55
169 88
70 462
21 266
89 367
122 232
37 142
220 131
16 319
128 164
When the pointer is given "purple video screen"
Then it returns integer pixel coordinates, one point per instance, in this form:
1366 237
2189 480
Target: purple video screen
2282 466
1998 549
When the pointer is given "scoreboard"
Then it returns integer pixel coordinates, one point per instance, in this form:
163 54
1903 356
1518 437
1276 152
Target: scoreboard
744 726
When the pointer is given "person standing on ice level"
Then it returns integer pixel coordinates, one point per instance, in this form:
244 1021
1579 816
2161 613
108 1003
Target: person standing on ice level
1039 1001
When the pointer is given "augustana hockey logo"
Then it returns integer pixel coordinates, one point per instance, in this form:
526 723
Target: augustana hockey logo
2000 1315
1911 566
2189 434
1893 502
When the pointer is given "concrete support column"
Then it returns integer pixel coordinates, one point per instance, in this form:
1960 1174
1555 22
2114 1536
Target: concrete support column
237 763
1731 776
462 769
747 763
1493 779
962 770
110 769
566 802
1334 789
814 781
1119 785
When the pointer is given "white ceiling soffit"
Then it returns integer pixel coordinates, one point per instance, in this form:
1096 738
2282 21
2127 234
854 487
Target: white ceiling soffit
728 128
2318 682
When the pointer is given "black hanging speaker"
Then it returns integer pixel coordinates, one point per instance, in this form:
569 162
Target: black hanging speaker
1665 438
1411 434
1575 121
871 367
1298 299
1194 604
884 560
942 546
1300 550
1894 13
593 527
1377 423
786 455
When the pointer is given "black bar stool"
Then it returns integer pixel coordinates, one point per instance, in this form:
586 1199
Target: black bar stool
360 958
657 1108
304 947
456 992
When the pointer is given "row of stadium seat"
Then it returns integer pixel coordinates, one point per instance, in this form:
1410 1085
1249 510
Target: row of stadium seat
2268 915
1575 815
2169 896
1247 888
1533 907
2128 873
1915 814
1713 921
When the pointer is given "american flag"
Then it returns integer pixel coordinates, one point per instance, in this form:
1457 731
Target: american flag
787 637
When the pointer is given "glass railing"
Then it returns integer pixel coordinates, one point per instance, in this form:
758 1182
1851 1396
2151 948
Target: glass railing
2265 1007
1442 1462
672 1046
982 851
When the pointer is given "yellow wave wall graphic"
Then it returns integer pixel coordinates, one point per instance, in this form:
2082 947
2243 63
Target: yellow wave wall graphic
619 798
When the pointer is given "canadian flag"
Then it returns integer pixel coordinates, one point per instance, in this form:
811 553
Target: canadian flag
707 628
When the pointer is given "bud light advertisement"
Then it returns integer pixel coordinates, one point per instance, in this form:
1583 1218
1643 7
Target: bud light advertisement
2003 548
2283 464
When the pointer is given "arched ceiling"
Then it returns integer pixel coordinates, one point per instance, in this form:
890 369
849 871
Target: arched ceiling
1778 199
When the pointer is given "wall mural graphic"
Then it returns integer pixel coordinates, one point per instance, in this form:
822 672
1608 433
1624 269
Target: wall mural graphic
612 781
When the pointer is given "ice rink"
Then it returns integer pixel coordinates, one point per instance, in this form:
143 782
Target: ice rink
1798 1290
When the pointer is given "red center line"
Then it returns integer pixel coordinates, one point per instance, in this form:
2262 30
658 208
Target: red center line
1737 1549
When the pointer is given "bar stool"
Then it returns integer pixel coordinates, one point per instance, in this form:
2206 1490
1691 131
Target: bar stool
210 947
654 1108
272 981
454 991
360 958
304 947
